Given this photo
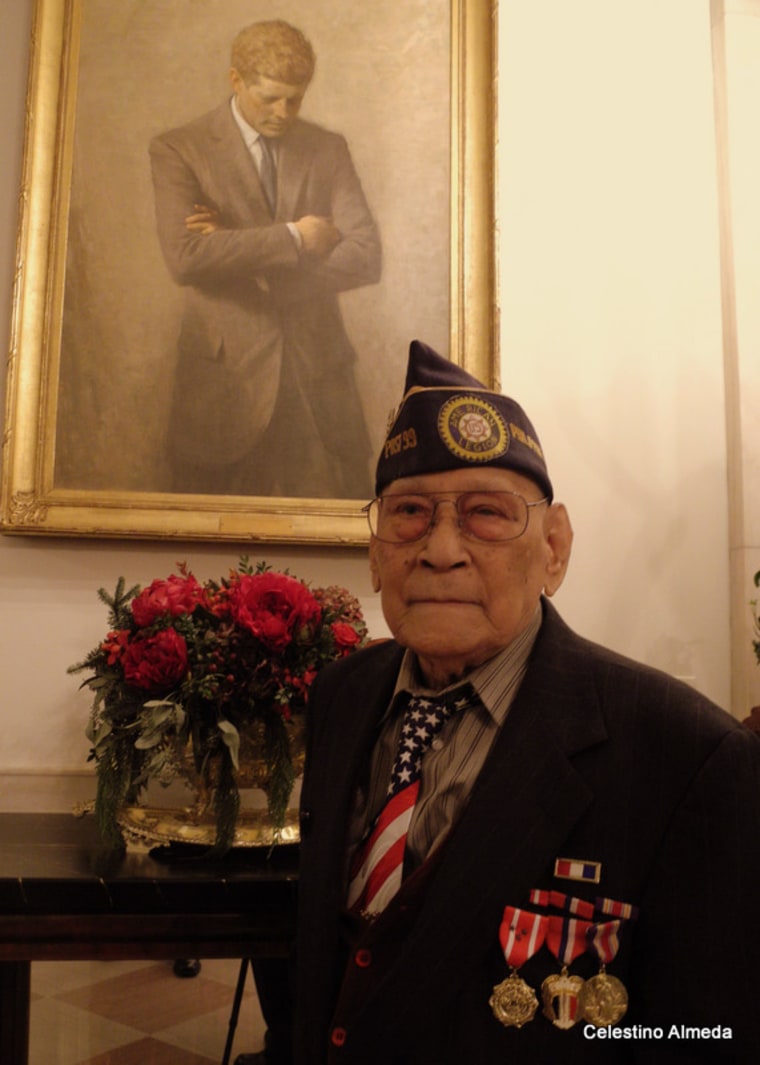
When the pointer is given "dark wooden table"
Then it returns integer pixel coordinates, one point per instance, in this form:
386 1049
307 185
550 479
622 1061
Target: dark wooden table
63 897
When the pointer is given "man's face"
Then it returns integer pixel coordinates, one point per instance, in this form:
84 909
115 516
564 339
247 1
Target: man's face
455 601
269 106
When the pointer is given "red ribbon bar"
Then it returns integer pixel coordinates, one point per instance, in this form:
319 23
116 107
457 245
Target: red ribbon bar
558 900
613 908
539 898
570 904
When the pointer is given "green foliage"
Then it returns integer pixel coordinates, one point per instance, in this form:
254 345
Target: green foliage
278 757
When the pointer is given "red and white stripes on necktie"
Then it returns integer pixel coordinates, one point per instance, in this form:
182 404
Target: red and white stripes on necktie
377 869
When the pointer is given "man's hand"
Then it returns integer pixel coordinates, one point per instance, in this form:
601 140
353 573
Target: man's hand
205 220
318 234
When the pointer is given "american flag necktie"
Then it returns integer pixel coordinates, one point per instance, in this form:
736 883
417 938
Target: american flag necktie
377 869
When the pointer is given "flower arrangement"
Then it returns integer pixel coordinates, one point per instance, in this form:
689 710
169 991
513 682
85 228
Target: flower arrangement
187 666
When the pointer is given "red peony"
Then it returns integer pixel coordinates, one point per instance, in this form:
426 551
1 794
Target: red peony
170 597
274 607
155 662
345 635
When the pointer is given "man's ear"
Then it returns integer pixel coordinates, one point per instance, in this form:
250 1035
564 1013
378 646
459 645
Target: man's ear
558 534
235 80
373 566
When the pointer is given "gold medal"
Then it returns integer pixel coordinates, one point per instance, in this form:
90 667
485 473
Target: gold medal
603 999
521 935
513 1002
566 939
560 993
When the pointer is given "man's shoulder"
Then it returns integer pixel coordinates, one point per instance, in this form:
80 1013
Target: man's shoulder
623 686
308 135
216 121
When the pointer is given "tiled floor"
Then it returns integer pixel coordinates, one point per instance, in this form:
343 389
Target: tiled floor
138 1013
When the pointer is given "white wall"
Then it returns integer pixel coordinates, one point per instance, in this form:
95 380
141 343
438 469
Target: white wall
611 338
611 312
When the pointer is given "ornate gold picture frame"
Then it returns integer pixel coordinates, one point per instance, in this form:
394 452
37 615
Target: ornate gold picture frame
410 85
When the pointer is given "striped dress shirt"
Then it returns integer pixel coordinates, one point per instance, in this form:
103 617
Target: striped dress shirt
456 757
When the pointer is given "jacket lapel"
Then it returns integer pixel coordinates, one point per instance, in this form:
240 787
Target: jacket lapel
242 183
363 698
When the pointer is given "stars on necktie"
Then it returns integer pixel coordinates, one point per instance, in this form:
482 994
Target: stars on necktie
423 720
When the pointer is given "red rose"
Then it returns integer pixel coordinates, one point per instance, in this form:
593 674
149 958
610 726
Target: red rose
274 607
345 635
173 596
155 662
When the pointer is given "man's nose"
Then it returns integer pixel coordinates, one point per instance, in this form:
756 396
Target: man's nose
440 515
444 545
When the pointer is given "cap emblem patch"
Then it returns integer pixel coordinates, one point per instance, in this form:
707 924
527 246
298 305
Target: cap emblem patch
472 429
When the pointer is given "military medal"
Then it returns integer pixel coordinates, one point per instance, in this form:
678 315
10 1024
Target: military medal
521 934
566 939
604 998
513 1002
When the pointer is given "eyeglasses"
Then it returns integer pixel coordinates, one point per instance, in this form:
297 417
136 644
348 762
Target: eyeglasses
494 517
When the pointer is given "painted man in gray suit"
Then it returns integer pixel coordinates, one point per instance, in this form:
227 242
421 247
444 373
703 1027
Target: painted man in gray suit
262 219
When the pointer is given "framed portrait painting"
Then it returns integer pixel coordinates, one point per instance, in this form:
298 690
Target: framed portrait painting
229 235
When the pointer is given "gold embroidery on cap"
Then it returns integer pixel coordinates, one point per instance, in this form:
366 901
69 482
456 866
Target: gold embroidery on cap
523 437
472 429
402 441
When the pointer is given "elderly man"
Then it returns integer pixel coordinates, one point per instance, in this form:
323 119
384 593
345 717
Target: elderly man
262 219
517 846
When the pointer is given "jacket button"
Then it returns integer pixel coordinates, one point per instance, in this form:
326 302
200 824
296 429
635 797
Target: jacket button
363 958
338 1037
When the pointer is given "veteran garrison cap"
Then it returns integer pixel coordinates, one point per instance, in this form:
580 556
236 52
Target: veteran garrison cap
448 419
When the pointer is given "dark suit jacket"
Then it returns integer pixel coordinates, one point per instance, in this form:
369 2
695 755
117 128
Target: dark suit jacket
599 759
251 300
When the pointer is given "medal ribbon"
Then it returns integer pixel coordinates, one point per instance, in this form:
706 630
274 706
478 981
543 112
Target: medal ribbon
603 940
566 938
539 898
581 908
559 901
613 908
521 934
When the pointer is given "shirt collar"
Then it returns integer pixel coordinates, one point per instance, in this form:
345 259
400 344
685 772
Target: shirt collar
249 134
